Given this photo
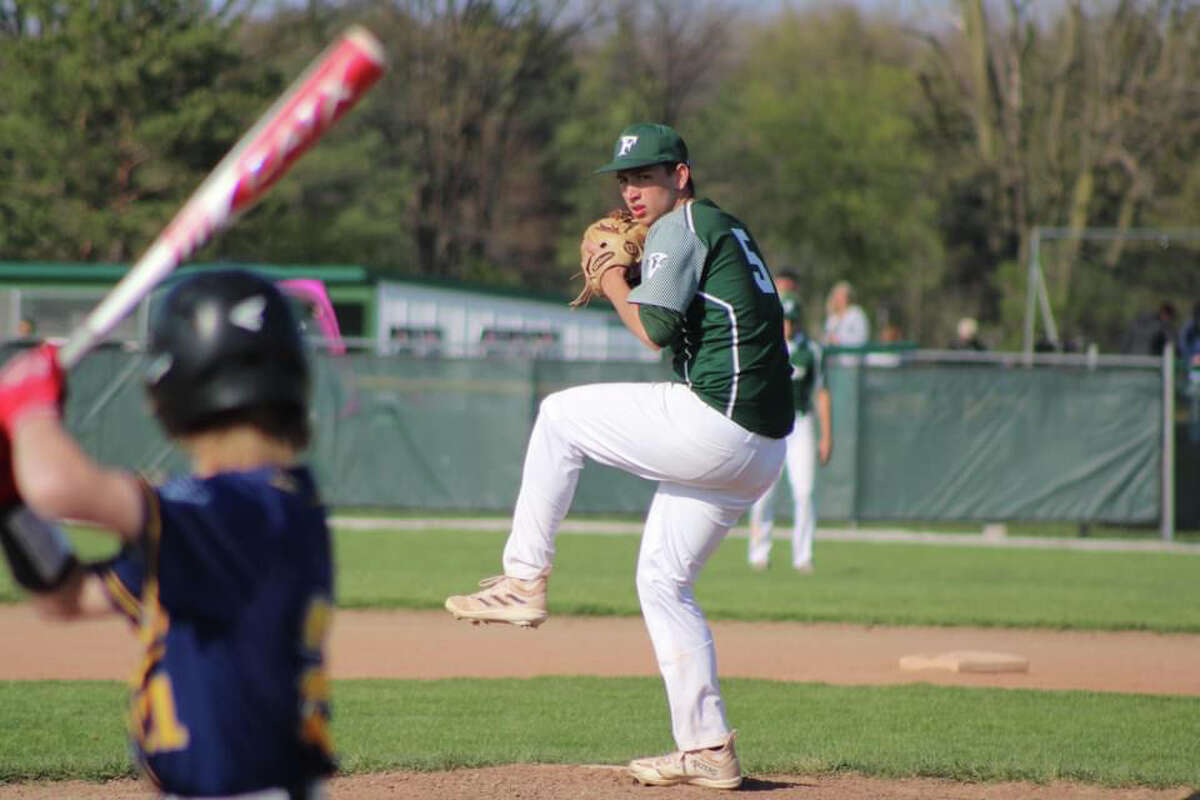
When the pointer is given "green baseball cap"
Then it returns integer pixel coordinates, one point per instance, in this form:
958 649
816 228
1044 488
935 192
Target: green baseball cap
646 143
791 307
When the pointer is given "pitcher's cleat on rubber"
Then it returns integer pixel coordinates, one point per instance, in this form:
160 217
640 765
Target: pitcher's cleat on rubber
503 599
715 767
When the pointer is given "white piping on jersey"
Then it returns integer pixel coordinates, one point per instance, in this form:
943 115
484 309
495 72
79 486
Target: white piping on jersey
733 332
687 360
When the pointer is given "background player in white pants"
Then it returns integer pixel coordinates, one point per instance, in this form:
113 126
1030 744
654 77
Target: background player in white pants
809 393
713 443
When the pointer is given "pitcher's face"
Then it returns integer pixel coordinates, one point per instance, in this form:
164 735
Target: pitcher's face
653 191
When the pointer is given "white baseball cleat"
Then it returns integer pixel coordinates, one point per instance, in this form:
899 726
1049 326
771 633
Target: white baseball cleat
503 599
715 767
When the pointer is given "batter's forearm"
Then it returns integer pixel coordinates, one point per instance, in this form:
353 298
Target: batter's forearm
58 480
81 597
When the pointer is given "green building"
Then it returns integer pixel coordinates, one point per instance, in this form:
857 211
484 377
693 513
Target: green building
49 299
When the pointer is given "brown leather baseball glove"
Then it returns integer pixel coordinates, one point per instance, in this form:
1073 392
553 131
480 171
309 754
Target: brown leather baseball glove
615 240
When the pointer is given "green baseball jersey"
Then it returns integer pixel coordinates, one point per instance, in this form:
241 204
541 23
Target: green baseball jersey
808 371
702 263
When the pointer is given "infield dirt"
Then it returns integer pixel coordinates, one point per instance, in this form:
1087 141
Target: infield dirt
427 644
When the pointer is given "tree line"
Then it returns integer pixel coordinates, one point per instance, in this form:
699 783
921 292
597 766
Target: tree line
912 156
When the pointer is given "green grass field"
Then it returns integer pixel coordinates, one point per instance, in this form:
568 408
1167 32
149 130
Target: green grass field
862 582
857 582
1041 529
55 730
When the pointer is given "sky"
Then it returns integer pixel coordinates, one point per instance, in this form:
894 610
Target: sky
907 10
917 11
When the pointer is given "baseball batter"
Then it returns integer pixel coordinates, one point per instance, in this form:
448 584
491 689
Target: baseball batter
803 447
713 442
226 572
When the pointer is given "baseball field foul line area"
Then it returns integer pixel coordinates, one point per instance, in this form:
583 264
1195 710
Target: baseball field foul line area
823 708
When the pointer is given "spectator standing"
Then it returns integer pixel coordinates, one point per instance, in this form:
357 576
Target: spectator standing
846 323
1166 330
967 335
803 447
890 335
1150 331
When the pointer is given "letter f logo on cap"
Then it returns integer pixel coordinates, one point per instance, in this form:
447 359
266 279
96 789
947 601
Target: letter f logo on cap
642 144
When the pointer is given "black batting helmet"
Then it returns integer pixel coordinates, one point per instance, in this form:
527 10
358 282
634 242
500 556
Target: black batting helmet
223 342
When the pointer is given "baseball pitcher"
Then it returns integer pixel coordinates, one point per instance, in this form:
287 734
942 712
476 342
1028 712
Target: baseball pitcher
712 441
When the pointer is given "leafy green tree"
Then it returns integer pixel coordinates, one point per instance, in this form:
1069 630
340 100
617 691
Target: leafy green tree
638 61
345 202
1080 119
111 112
813 142
452 154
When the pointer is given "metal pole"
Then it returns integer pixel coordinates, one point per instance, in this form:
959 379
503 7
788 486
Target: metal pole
1167 522
1047 312
1035 238
14 305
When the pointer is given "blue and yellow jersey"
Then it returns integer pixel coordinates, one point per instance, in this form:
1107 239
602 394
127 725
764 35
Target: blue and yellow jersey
231 588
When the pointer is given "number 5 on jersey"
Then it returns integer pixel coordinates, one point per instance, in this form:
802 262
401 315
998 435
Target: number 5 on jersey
762 278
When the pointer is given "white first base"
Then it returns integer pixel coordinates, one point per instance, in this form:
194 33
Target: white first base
967 661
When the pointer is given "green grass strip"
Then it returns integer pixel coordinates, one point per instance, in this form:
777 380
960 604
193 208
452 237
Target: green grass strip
855 582
56 730
60 730
867 583
1044 529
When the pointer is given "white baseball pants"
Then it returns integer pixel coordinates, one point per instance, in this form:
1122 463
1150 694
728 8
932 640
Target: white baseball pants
801 469
709 471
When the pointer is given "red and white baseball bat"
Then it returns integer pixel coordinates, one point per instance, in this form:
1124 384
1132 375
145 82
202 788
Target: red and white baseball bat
319 97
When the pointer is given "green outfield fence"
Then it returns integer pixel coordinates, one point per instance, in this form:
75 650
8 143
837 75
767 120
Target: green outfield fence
918 435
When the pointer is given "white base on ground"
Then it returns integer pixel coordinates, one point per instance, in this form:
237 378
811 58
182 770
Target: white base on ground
967 661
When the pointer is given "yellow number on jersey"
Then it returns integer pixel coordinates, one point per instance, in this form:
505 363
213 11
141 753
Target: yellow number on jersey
314 681
316 624
155 718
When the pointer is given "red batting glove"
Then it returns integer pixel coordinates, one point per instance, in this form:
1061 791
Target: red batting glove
31 381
